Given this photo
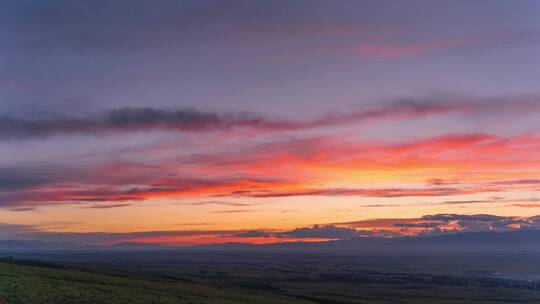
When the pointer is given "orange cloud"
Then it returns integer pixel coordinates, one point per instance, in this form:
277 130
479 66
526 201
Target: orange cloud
331 166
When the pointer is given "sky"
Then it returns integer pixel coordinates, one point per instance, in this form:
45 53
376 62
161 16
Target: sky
194 122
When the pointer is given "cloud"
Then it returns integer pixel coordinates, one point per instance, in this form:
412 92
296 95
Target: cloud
233 211
131 120
220 203
8 231
410 49
436 181
466 202
105 206
378 205
526 205
252 234
462 217
434 224
382 192
194 224
378 233
417 225
40 233
377 223
476 222
285 168
445 223
22 209
452 153
145 119
518 182
188 120
63 191
14 179
43 26
323 232
404 50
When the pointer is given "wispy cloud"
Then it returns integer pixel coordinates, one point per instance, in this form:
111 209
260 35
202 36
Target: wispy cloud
527 205
386 50
305 167
220 203
106 206
233 211
383 192
404 50
22 209
188 120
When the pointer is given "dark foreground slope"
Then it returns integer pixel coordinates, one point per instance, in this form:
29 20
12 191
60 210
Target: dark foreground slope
324 280
23 284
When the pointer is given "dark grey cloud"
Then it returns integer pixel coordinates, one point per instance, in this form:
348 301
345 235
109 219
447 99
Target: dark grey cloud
185 120
22 209
462 217
16 179
106 206
418 225
252 234
475 222
380 233
323 232
125 25
447 223
131 119
105 25
189 120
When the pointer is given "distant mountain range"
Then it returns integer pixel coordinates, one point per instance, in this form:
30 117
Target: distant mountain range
465 242
30 245
521 241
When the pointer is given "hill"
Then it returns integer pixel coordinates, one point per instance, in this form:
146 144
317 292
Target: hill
24 284
517 241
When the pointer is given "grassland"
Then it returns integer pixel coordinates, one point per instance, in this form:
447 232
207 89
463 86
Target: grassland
22 284
254 278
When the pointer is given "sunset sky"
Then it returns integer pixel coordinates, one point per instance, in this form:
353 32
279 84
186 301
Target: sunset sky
190 122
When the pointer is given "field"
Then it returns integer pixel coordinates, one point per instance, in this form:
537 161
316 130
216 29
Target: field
23 284
213 277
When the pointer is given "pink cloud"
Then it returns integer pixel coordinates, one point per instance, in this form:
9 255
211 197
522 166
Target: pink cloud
396 51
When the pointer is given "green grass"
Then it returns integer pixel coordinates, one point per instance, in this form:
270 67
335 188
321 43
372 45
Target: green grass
410 294
27 284
21 284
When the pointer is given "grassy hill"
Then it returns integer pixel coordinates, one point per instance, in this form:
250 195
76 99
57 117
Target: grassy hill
23 284
280 283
